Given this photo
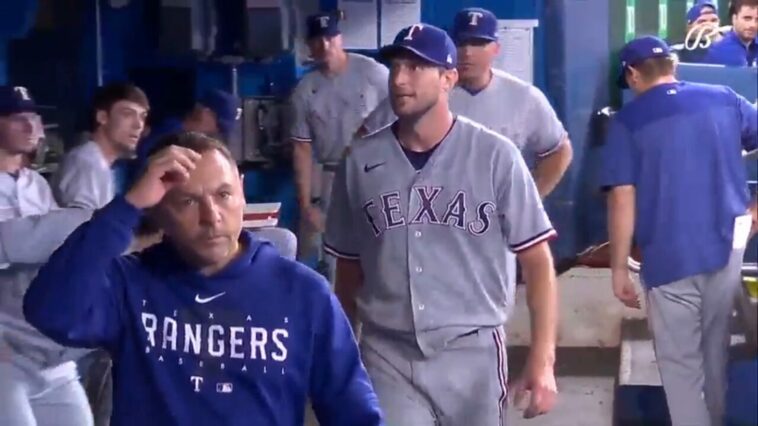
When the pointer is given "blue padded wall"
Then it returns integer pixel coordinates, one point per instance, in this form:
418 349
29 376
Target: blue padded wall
577 81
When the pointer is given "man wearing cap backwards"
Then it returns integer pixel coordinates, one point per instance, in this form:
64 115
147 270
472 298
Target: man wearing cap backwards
701 32
328 106
39 383
678 186
420 215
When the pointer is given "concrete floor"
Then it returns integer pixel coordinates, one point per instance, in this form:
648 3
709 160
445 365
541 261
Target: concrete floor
583 401
590 316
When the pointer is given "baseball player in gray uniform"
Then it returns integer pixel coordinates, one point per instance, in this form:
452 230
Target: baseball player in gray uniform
421 212
500 101
328 105
38 379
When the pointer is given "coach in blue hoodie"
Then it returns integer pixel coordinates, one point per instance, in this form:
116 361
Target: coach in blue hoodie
210 327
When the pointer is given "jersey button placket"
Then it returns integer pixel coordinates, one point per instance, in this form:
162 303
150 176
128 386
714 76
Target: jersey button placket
415 266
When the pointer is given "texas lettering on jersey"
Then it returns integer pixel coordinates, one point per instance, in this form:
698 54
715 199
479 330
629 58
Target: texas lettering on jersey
385 212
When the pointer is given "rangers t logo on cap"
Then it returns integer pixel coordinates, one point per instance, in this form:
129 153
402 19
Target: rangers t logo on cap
475 17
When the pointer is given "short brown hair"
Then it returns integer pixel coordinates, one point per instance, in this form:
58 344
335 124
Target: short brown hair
110 94
736 5
196 141
655 68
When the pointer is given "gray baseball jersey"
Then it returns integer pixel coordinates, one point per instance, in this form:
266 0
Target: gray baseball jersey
328 111
431 242
31 228
508 106
84 179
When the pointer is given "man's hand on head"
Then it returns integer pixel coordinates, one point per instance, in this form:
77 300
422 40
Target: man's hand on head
165 169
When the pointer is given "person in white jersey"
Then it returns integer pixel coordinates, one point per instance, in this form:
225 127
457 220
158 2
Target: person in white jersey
421 213
329 104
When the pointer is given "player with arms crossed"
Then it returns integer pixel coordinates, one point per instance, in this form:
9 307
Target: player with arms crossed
211 326
421 213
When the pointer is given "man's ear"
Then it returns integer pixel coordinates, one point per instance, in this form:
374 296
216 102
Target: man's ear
451 79
101 117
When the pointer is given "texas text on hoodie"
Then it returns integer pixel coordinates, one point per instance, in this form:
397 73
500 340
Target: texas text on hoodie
246 346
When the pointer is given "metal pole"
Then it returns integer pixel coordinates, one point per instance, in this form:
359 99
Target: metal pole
98 44
235 80
663 19
629 29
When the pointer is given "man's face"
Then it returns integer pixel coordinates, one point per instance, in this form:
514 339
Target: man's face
415 86
475 58
325 49
745 23
203 216
123 125
20 133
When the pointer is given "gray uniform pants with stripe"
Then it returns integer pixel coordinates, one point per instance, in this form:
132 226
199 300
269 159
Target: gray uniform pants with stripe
464 384
690 320
42 398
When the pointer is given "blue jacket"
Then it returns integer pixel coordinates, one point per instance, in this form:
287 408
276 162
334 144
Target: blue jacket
248 345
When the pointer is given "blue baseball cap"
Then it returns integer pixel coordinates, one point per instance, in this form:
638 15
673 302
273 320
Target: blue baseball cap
474 23
638 50
15 100
322 25
425 41
697 9
226 106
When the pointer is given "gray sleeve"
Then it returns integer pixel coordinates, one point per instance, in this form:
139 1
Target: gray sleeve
340 238
32 239
299 128
78 184
522 215
546 132
381 117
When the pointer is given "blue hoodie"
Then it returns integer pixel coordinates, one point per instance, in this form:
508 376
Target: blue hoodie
245 346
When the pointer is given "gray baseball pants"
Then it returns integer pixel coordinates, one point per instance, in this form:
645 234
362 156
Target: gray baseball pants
464 384
52 397
690 320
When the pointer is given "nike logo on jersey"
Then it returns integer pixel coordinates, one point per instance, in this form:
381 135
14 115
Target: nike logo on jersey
368 168
203 300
